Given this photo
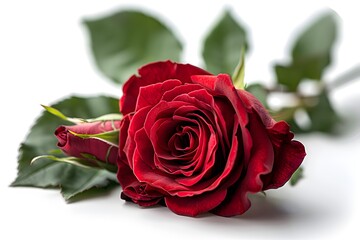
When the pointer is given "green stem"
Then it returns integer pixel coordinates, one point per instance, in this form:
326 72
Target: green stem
345 78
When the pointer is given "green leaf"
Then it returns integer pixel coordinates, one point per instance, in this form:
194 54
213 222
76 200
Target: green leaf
311 53
323 116
71 179
288 76
106 117
71 160
239 72
126 40
223 46
100 164
297 176
60 115
88 162
314 46
111 137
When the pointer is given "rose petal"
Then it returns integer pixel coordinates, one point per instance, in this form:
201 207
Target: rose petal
252 102
206 160
135 191
62 136
136 123
145 171
124 127
228 175
289 155
224 115
289 159
161 110
150 95
280 133
183 89
160 135
222 85
261 162
154 73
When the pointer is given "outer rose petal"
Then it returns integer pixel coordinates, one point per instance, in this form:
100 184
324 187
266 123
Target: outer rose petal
193 206
289 155
133 190
261 161
127 137
222 85
154 73
252 103
152 94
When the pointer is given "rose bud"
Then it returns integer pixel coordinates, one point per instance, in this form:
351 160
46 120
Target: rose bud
88 139
191 140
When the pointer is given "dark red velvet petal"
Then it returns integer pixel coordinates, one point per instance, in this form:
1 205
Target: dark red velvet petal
136 123
183 89
140 194
280 133
154 73
125 175
124 127
144 167
222 85
206 160
202 95
289 155
154 177
145 171
252 103
194 154
289 159
150 95
193 206
135 191
228 175
261 162
161 110
262 156
224 117
184 72
205 103
160 135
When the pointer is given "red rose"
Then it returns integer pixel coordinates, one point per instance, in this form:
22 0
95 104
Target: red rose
191 139
70 142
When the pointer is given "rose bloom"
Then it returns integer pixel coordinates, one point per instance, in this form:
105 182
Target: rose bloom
76 146
190 140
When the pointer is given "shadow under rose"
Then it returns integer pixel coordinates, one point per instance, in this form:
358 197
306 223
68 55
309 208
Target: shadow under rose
264 208
274 217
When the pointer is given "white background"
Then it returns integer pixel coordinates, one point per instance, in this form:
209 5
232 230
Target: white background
44 56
